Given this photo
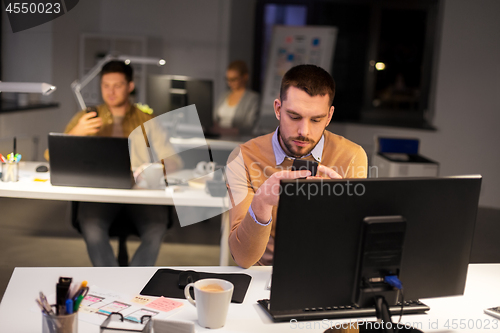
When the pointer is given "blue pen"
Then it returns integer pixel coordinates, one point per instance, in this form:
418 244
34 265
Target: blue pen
69 306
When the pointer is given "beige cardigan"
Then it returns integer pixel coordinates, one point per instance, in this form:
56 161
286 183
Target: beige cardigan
249 166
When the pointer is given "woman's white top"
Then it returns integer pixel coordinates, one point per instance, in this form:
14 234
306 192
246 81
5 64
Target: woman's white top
225 114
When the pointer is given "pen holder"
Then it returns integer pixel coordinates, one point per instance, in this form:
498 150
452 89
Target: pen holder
10 171
60 324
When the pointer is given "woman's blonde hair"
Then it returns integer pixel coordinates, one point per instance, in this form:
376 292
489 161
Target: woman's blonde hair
240 66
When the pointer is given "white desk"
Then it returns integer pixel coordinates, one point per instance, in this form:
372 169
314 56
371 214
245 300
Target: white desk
27 188
227 143
482 291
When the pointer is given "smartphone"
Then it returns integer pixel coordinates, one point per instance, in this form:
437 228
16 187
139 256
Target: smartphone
92 109
299 164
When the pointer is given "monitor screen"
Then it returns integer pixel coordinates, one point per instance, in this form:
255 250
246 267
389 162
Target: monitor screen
170 92
318 231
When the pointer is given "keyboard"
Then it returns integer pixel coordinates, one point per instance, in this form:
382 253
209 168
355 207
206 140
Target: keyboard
340 312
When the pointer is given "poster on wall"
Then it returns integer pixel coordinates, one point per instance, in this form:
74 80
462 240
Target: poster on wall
291 46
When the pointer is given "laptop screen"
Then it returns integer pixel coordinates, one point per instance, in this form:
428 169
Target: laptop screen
89 161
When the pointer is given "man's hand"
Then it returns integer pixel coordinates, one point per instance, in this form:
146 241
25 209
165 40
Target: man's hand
268 193
325 173
86 125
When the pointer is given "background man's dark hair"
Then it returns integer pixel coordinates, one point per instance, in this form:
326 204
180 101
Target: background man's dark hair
312 79
116 66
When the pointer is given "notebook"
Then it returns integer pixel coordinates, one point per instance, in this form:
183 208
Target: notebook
89 161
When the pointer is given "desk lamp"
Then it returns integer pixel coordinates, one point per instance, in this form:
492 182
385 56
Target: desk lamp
78 85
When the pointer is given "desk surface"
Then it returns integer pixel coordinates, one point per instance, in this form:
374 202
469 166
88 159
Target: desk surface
481 292
27 188
224 143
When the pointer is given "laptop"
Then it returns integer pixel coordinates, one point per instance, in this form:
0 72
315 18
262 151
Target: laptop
89 161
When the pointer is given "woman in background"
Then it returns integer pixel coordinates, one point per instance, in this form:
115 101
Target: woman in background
237 110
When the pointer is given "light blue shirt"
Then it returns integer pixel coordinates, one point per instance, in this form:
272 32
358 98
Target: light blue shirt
280 155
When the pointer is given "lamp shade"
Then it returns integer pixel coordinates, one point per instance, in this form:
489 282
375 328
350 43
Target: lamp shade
27 87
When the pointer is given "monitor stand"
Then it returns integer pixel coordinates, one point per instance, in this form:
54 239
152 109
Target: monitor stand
383 325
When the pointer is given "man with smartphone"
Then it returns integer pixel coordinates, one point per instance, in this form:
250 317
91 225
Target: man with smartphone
254 169
118 117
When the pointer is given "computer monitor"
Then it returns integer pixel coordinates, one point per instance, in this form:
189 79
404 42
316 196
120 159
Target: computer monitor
319 228
170 92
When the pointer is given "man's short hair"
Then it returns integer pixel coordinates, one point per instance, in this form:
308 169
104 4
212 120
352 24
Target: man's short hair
116 66
312 79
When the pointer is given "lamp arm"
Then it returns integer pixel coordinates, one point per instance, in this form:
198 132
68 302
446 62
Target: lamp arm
142 60
78 85
75 86
94 71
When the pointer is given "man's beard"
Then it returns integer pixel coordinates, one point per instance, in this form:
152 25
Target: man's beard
290 146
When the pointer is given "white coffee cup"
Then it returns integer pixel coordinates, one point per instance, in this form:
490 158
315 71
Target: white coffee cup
153 175
212 298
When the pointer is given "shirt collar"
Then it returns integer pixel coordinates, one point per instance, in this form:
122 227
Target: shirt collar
280 154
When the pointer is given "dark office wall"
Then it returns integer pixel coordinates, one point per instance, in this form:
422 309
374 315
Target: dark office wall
192 34
46 53
466 103
241 30
26 54
65 49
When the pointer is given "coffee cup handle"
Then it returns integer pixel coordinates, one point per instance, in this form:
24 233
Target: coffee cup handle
188 295
210 168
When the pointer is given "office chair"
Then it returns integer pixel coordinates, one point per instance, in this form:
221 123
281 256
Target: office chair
121 228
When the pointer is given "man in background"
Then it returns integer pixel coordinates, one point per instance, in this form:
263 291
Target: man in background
117 117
